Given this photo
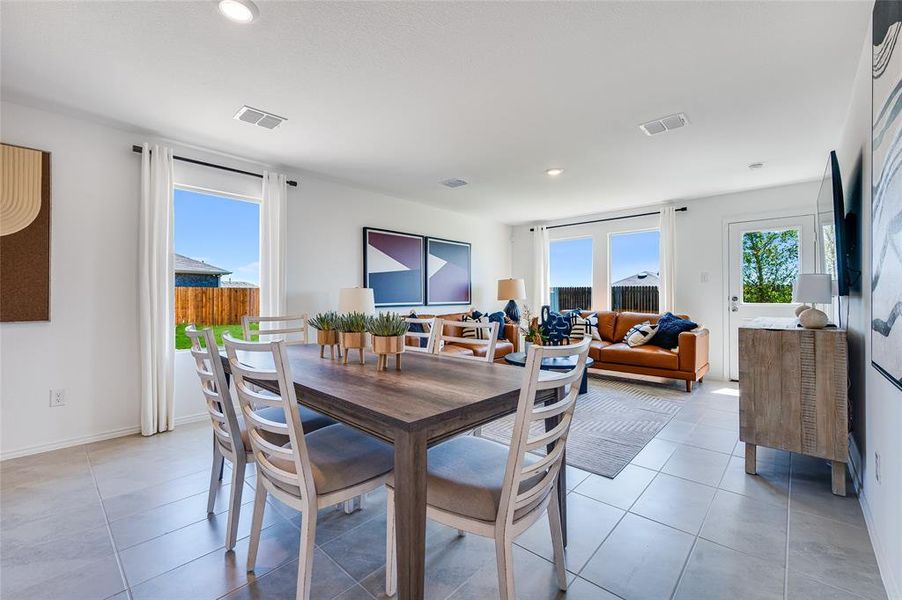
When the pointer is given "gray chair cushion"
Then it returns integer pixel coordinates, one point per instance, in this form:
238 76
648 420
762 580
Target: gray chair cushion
310 419
341 457
465 475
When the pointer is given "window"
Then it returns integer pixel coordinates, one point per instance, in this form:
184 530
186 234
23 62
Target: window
570 273
217 268
635 267
770 264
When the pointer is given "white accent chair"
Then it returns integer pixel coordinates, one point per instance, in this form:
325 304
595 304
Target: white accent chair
486 335
478 486
291 329
429 335
327 467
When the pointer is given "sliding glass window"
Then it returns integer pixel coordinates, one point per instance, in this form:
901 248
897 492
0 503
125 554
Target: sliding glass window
570 273
634 270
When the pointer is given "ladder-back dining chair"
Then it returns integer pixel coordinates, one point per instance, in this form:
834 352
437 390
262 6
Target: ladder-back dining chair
485 336
488 489
292 329
327 467
428 334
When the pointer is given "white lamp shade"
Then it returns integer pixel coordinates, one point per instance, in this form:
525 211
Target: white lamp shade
511 289
816 288
356 299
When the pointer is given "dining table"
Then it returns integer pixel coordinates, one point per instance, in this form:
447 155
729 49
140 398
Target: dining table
428 400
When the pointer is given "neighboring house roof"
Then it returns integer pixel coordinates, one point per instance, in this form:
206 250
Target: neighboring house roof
642 278
186 265
237 284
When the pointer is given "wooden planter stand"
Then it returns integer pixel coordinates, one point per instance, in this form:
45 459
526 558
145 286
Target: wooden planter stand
355 341
328 338
384 346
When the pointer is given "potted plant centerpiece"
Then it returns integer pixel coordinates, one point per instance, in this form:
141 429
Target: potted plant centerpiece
352 333
388 330
326 334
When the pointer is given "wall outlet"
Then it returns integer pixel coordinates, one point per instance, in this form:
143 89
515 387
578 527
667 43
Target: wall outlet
877 467
57 398
706 277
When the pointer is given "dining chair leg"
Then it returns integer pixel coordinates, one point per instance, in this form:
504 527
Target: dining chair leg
238 468
557 541
504 556
305 561
215 475
256 525
391 552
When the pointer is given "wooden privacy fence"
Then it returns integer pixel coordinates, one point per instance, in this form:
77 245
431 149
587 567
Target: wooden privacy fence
566 298
642 298
215 306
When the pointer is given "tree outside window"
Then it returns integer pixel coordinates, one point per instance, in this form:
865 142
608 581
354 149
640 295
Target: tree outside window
770 265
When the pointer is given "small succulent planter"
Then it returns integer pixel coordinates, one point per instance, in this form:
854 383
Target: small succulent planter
388 330
326 334
352 334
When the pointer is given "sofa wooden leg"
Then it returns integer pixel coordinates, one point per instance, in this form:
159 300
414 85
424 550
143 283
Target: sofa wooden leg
688 385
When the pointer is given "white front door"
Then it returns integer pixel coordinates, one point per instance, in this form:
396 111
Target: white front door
765 256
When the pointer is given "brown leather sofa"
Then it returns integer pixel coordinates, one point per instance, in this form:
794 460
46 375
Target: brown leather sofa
689 362
503 347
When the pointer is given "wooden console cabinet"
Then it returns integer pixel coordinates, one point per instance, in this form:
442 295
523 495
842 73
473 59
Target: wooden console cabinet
793 393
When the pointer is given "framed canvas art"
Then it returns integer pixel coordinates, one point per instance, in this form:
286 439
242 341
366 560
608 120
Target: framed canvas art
393 266
448 279
24 234
886 191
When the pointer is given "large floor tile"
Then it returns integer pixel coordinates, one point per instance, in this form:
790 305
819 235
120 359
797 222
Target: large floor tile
834 553
145 499
641 559
770 484
813 494
588 523
580 589
360 551
575 477
747 525
697 464
328 581
802 587
715 572
655 454
675 502
722 419
99 578
621 491
712 438
676 431
534 578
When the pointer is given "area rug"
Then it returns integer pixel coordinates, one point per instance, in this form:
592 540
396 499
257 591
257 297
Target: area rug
611 424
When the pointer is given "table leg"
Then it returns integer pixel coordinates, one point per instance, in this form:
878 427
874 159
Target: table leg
410 513
561 491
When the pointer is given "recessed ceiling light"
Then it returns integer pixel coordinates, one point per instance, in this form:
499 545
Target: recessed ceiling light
240 11
756 166
554 172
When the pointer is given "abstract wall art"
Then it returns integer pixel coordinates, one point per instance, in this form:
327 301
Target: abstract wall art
886 191
24 234
393 266
448 278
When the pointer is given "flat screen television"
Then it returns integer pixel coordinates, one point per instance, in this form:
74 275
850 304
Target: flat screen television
833 236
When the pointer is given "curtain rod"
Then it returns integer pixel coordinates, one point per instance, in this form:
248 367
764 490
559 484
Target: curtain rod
140 150
648 214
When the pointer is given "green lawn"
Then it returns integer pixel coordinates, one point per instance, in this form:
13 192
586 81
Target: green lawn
183 342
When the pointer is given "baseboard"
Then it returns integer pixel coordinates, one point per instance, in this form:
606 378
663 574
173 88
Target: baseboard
893 591
191 418
69 442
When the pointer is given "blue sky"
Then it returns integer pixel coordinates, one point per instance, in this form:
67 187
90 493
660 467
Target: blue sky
571 260
219 231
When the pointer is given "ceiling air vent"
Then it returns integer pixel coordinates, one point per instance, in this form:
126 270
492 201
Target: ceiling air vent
668 123
258 117
454 183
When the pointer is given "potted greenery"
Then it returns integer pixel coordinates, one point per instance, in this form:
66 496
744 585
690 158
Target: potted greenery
326 334
388 330
352 333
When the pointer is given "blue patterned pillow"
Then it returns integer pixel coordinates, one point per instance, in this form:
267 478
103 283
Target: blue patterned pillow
669 329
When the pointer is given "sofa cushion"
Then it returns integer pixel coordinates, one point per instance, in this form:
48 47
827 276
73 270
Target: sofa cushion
628 320
595 349
502 348
455 350
606 321
643 356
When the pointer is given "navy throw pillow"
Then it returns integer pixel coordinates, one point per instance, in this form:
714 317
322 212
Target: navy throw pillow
499 318
555 326
669 329
417 328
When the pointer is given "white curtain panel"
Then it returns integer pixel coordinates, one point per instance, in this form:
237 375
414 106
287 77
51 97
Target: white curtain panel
273 240
667 259
541 293
156 290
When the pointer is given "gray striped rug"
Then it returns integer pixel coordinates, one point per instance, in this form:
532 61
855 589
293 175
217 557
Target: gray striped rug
611 424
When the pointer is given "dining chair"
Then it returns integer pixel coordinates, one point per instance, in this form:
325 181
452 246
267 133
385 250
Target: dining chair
291 329
486 335
324 468
429 334
488 489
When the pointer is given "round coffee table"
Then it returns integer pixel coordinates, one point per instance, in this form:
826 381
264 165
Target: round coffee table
562 363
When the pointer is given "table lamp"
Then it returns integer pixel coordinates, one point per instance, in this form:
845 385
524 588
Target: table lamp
511 290
814 288
356 299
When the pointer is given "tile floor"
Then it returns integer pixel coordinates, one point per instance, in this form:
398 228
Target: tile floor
126 518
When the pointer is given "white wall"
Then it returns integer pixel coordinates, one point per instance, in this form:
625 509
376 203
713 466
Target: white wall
876 403
90 345
700 236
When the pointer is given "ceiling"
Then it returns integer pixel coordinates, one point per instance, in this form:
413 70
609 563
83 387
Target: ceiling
399 96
